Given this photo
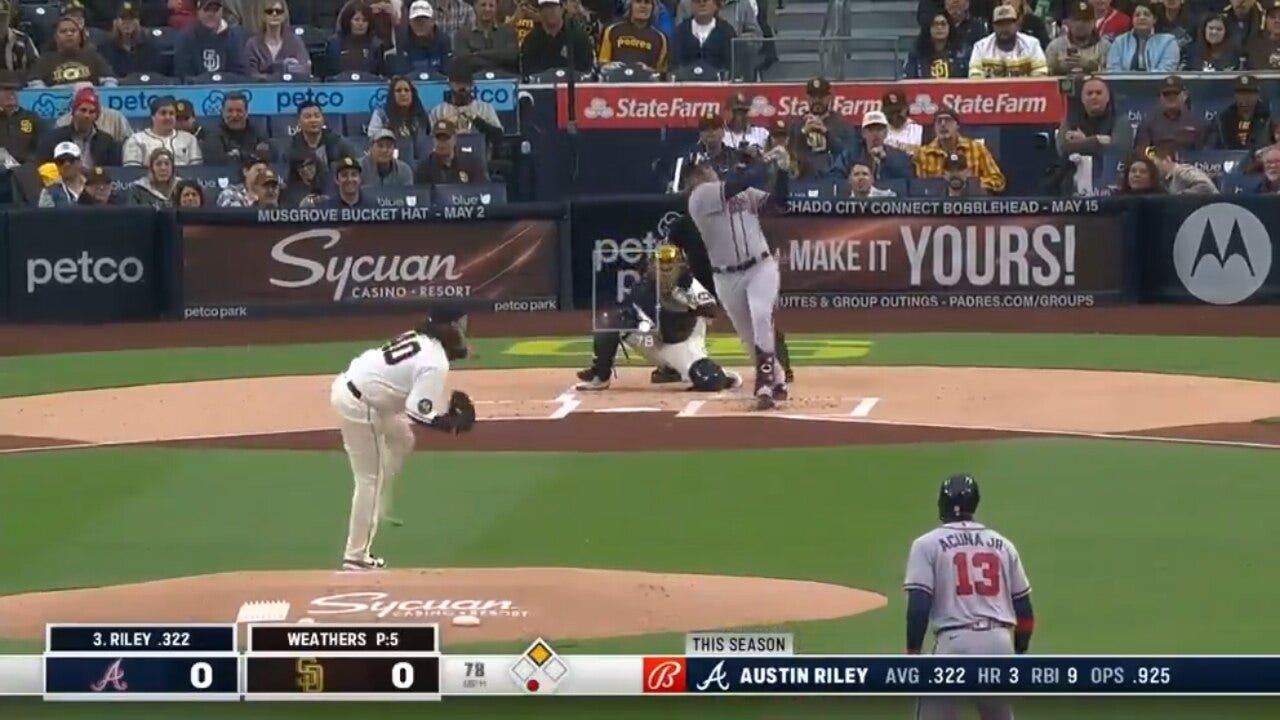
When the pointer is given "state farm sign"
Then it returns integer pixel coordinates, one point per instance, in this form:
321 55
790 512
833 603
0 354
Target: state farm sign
659 105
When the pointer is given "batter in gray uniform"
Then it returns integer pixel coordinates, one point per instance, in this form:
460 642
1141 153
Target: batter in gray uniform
967 581
747 280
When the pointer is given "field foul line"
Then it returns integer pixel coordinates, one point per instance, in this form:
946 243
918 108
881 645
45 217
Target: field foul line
568 403
864 407
691 409
1030 431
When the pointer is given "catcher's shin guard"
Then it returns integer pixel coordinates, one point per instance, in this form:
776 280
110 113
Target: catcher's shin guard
784 354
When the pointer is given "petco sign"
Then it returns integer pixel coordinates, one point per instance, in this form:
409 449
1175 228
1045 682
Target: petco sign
659 105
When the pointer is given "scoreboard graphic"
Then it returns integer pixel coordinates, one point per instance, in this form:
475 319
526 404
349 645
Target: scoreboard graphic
389 662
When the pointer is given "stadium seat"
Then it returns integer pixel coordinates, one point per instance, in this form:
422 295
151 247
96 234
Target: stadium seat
122 177
406 149
290 78
426 76
495 75
38 21
282 126
416 196
357 124
313 38
628 73
813 189
219 78
355 76
472 143
147 79
1106 171
898 186
213 178
480 194
1238 183
1216 162
935 187
698 72
164 39
557 75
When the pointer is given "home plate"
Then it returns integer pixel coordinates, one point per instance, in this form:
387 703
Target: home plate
629 410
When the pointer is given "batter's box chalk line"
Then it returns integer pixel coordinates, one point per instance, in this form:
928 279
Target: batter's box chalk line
263 611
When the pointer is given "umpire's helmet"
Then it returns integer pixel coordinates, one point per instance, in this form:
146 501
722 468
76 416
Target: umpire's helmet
958 498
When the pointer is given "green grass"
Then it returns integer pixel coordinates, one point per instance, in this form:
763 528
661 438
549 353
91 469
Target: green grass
1092 520
1253 358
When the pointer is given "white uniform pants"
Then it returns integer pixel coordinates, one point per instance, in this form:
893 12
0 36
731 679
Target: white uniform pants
377 441
678 356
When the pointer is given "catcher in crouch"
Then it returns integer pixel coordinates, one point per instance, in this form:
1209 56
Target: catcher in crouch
671 317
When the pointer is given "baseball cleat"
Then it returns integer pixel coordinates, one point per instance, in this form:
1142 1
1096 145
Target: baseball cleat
662 375
735 380
790 376
764 401
588 374
780 393
369 563
594 383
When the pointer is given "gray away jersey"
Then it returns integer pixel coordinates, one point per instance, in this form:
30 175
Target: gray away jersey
730 227
973 572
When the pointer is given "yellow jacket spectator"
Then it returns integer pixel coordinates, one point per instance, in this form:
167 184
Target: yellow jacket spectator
635 40
1007 52
931 158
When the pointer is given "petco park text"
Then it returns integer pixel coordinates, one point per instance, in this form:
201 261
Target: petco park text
381 605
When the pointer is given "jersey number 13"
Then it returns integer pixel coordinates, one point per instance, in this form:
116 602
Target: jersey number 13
984 566
401 348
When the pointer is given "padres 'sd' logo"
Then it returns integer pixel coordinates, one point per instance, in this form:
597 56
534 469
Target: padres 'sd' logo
25 126
310 675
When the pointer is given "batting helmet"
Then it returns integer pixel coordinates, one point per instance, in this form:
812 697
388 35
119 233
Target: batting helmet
958 498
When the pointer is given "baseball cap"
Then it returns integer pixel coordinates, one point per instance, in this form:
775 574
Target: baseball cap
71 7
875 117
1247 83
1272 6
5 7
955 161
127 10
818 87
98 176
346 163
210 3
1004 13
946 112
183 110
421 9
66 148
1171 84
444 127
739 101
779 127
86 95
892 100
383 134
710 121
548 2
1082 11
270 177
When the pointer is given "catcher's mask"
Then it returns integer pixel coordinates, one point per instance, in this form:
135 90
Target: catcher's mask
450 328
669 261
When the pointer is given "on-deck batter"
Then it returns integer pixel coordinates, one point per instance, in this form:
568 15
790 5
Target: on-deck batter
383 390
967 581
747 279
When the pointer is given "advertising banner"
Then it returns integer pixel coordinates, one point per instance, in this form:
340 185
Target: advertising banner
967 253
81 265
249 270
1210 251
668 105
264 99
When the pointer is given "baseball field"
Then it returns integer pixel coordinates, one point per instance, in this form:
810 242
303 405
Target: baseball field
176 472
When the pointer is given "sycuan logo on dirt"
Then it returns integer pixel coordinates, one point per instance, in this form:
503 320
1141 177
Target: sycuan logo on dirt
382 605
265 267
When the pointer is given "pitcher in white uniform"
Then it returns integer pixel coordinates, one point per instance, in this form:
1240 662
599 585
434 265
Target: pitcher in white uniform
382 394
747 279
967 581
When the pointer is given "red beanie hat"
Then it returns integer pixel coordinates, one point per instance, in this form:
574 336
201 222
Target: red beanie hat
86 95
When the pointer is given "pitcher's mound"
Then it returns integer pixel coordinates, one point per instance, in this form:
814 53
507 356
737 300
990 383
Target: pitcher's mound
512 603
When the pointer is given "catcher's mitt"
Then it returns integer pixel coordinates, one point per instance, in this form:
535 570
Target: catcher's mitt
462 410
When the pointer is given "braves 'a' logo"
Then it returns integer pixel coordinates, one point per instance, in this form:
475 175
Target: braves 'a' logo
113 678
717 676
